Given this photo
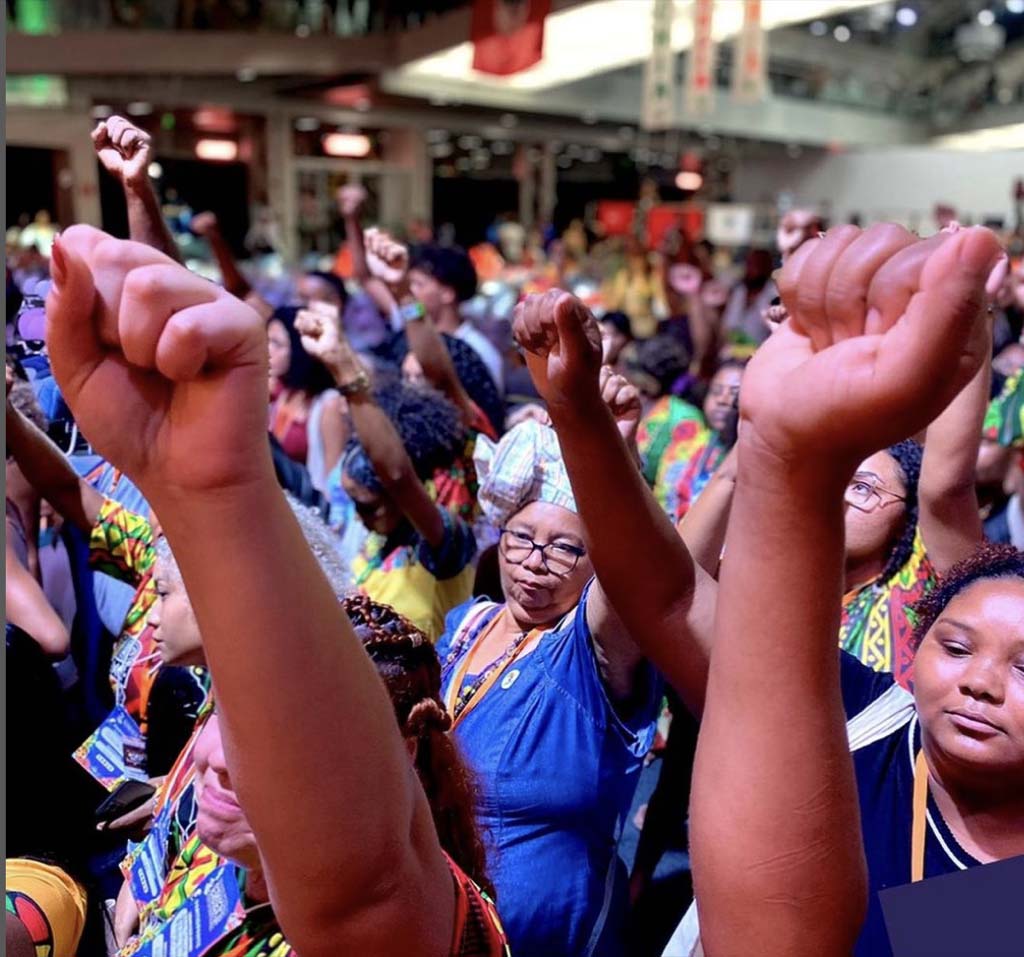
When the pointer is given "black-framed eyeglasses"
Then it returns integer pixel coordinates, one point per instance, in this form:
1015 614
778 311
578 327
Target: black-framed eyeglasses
559 558
865 495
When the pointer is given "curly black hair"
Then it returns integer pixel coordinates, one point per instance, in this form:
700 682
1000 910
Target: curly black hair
428 424
304 372
908 455
449 265
988 561
664 358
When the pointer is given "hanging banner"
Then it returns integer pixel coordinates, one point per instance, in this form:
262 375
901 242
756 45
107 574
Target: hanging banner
658 108
699 97
750 64
508 35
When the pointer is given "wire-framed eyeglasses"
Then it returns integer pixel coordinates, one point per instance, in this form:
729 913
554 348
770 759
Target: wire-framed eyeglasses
559 558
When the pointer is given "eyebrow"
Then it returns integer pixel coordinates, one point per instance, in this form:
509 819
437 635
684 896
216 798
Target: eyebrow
956 623
877 478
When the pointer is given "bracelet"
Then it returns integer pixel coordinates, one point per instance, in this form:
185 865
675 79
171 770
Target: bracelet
402 315
355 386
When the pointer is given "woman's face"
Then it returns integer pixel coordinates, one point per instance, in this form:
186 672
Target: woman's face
220 821
969 682
412 371
175 630
722 397
536 595
377 510
279 348
612 342
871 530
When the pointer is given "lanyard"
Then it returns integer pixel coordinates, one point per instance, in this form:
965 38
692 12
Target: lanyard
919 820
455 687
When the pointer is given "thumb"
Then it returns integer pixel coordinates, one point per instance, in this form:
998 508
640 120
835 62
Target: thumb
72 337
571 318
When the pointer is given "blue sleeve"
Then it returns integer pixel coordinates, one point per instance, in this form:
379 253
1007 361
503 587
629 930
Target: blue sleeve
455 552
860 685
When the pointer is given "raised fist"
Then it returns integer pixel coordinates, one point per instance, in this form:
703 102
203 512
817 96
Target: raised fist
165 372
685 279
884 330
623 399
319 327
386 258
123 149
351 201
205 224
562 341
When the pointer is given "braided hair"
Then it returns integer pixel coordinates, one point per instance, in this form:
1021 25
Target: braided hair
908 455
409 666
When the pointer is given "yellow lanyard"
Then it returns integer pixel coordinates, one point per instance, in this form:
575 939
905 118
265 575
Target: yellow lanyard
919 820
455 688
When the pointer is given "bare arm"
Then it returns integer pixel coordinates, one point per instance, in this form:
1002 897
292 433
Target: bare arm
948 513
322 338
124 151
50 473
207 226
351 203
703 527
334 431
351 855
664 600
29 608
775 837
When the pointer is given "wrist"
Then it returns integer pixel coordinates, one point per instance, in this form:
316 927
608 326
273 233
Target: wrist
759 464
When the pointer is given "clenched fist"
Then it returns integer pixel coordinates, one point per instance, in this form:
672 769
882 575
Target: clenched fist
165 372
123 149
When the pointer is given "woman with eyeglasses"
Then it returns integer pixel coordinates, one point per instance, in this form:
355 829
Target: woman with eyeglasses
552 703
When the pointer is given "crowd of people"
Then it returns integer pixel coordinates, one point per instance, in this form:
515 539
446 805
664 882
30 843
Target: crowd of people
342 624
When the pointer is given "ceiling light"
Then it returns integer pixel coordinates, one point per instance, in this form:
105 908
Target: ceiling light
842 33
689 182
139 108
307 124
246 74
986 18
819 28
101 111
906 16
217 151
1008 137
155 170
469 142
1015 6
347 144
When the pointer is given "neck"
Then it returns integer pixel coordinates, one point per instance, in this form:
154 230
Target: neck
860 571
256 886
985 813
448 320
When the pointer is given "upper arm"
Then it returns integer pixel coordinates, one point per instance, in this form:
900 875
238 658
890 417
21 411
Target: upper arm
618 657
417 505
333 430
29 609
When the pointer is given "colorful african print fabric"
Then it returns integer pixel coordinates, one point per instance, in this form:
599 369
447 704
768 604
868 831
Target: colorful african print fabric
121 545
656 428
1004 419
257 936
877 620
688 462
455 487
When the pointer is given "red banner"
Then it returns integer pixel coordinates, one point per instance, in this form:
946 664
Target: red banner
508 35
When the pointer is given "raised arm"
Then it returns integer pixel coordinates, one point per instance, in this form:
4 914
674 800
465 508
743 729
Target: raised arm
323 339
388 263
124 151
648 580
350 850
351 203
873 350
50 473
703 527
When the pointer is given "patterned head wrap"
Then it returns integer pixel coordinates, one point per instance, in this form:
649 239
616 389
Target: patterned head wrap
525 466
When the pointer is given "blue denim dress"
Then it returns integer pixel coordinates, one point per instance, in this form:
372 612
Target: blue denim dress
557 769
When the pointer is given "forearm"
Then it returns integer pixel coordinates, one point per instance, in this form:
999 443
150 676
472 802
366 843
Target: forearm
231 276
50 473
704 526
357 247
29 609
664 600
146 222
305 717
775 834
948 504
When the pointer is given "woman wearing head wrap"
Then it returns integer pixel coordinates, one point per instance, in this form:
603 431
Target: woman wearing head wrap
532 692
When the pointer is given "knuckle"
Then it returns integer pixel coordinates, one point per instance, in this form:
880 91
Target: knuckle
145 283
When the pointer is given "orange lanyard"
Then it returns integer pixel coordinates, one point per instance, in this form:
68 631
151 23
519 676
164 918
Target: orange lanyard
919 820
455 687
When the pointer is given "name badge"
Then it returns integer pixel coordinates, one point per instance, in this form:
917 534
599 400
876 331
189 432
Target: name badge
509 679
